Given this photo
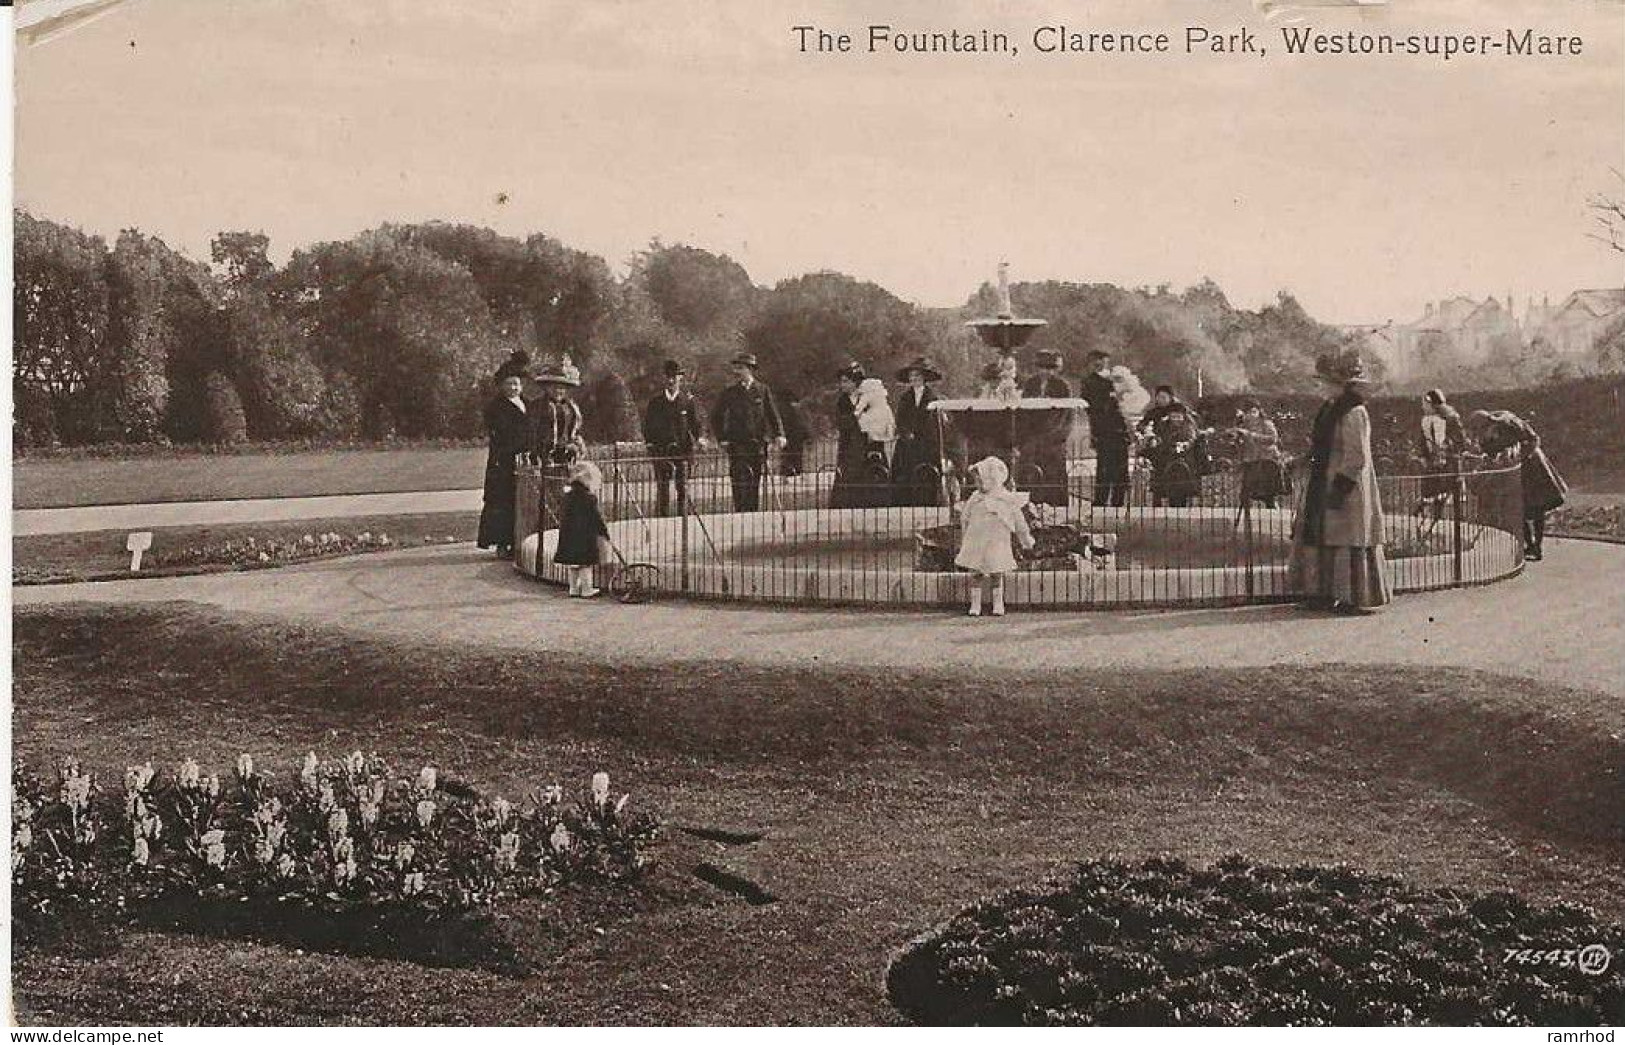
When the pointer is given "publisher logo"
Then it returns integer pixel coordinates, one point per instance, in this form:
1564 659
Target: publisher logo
1594 959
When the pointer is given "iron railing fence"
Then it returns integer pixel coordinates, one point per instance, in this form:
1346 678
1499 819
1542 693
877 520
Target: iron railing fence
770 527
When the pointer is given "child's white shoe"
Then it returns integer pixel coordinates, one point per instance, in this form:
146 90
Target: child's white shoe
587 593
998 604
976 602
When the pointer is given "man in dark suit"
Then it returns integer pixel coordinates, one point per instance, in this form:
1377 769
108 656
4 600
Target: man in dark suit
745 420
671 430
1044 457
1108 431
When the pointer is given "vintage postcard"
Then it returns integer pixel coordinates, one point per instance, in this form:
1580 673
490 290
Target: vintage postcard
705 513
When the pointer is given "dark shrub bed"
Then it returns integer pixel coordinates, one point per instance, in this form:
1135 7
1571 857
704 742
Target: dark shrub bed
1161 943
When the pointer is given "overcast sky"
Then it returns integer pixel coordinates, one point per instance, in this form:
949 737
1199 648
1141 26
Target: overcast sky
1366 187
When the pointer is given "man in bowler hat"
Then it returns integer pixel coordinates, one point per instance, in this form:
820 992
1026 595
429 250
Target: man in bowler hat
1047 449
745 420
671 430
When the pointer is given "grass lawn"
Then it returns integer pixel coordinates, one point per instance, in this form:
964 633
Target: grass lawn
101 555
888 800
57 482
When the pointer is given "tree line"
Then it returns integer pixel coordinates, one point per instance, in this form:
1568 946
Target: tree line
394 333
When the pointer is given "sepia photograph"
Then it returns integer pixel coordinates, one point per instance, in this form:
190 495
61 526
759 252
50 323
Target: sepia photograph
916 513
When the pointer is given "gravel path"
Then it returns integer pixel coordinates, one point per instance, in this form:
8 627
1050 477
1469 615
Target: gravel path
1563 621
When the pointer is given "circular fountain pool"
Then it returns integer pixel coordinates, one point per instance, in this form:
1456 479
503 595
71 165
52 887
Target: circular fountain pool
1158 557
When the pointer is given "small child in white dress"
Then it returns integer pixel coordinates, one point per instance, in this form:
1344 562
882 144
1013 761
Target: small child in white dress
874 413
989 518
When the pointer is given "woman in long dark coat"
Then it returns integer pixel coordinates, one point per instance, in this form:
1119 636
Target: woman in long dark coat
507 428
1543 489
861 477
917 462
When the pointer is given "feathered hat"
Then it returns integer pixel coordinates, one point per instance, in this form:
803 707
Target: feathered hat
562 373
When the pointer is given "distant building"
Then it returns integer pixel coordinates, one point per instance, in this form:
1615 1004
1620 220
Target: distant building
1573 328
1467 330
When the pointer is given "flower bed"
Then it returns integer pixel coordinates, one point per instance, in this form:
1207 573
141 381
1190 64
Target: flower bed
277 551
341 857
1056 546
1161 943
1599 521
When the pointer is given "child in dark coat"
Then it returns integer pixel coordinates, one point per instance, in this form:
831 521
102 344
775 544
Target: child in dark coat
583 537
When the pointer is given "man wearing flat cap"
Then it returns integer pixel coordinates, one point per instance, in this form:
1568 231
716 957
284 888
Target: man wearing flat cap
745 420
671 430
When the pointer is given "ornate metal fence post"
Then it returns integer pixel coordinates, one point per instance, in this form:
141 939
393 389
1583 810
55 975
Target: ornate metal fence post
1455 527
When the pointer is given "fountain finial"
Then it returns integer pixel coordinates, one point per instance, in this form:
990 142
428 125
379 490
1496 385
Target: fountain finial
1004 331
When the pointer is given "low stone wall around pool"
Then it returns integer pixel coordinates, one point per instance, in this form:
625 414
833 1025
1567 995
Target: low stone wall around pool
694 560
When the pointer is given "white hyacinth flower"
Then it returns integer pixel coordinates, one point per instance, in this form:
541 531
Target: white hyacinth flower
600 788
501 808
284 865
245 765
142 852
356 763
136 778
404 854
327 801
560 840
188 775
427 778
426 811
307 772
76 792
338 823
211 786
214 847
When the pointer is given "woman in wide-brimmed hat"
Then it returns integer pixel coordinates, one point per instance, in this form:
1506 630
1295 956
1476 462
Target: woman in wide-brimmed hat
556 419
1337 559
556 437
917 460
507 428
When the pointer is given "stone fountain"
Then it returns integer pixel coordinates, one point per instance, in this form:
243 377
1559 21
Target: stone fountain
1030 435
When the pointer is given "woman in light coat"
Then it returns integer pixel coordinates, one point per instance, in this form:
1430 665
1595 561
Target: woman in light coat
1337 559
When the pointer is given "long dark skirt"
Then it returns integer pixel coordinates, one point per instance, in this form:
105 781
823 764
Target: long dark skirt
916 470
862 476
1543 488
497 514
